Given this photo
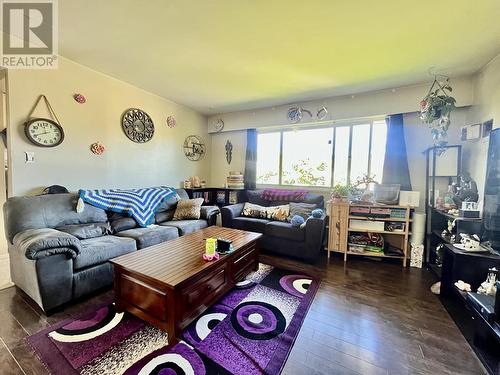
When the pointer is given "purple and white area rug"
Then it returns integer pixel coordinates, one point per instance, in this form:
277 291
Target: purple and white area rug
250 330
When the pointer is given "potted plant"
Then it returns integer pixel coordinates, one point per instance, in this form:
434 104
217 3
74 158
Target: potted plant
436 108
340 193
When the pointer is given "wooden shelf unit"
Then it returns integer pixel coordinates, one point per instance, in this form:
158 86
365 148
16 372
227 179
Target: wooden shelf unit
338 230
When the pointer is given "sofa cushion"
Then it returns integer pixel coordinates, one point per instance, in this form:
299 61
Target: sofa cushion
84 231
186 226
100 249
188 209
47 211
284 230
255 197
149 236
119 222
162 216
250 223
303 210
253 210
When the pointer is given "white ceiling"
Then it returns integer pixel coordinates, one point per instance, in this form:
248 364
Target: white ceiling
227 55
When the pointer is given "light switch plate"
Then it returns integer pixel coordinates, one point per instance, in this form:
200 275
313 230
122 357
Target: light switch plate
29 156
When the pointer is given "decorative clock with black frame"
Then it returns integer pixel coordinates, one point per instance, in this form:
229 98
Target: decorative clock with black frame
194 148
44 132
137 125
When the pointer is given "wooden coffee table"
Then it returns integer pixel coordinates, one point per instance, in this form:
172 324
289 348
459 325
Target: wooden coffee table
168 285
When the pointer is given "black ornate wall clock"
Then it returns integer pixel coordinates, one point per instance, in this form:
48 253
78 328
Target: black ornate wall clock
137 125
194 148
44 132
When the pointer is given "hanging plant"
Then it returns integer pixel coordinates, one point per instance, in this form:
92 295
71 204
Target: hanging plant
436 108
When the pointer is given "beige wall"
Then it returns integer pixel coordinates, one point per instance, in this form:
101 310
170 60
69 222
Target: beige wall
219 169
375 103
402 100
125 164
486 106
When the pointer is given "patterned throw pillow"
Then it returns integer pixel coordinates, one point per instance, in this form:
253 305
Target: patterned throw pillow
253 210
301 209
278 213
188 209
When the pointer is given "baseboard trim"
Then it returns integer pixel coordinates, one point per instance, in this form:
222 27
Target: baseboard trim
5 280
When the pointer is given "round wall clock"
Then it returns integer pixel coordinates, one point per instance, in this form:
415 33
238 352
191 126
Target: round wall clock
44 132
137 125
194 148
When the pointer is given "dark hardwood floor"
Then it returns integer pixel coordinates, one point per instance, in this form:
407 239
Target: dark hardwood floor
367 318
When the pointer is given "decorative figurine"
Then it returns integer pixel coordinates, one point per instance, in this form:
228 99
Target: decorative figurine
229 151
466 190
488 287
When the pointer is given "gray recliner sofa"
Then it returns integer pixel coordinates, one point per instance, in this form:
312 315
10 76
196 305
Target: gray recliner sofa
57 254
282 238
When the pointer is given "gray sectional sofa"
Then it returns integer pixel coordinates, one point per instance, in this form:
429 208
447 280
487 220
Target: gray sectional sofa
280 237
57 254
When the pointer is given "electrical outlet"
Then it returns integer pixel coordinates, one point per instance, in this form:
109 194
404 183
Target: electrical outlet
29 157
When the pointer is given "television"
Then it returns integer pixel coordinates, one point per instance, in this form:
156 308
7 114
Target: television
491 208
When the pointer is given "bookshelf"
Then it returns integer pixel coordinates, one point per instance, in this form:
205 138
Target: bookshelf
342 216
217 196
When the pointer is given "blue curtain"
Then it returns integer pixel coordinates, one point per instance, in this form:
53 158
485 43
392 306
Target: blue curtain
396 162
251 160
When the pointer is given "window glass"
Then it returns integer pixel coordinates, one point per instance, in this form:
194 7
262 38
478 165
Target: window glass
341 155
268 158
307 157
359 151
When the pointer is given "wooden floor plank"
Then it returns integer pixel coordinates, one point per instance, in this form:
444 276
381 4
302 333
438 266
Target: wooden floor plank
367 318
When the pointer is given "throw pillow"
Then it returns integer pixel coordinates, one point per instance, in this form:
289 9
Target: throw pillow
278 213
84 231
188 209
253 210
297 220
120 222
303 210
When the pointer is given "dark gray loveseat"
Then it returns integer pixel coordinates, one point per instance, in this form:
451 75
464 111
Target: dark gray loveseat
57 254
280 237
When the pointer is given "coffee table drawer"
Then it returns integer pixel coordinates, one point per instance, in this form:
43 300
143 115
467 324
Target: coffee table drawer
243 264
144 297
204 290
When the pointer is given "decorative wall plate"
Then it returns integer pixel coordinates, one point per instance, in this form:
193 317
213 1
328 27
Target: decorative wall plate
137 125
322 113
171 121
194 148
80 98
219 125
294 114
97 148
44 132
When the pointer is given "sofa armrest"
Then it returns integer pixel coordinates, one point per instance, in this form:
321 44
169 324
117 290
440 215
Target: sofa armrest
209 213
40 243
315 229
230 212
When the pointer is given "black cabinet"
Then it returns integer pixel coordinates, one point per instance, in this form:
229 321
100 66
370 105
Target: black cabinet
472 268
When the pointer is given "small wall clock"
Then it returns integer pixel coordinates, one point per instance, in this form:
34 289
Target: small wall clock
44 132
194 148
137 125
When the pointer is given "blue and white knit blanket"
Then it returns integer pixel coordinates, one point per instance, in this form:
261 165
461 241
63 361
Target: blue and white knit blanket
140 204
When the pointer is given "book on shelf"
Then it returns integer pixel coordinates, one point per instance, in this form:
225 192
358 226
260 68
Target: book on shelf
221 197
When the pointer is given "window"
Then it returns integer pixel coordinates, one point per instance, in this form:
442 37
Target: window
268 158
322 156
